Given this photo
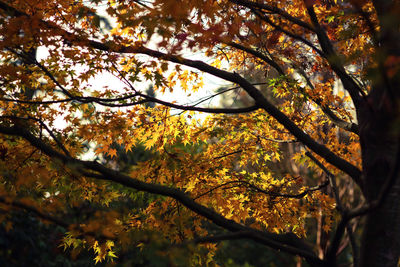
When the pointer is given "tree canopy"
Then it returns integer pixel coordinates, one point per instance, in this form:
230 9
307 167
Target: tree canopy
306 163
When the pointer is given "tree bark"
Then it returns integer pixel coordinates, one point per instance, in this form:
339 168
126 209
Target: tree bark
380 142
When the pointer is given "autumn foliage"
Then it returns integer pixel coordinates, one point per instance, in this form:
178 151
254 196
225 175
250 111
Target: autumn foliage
305 161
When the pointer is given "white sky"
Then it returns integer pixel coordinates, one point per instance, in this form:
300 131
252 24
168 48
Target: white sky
211 83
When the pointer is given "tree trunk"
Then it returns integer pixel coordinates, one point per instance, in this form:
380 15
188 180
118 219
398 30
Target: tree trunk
379 123
379 133
381 236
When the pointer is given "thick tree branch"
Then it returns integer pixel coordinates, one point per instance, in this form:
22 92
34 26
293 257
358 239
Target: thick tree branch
333 59
348 126
287 242
261 101
274 10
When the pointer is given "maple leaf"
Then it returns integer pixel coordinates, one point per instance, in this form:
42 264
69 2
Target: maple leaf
307 84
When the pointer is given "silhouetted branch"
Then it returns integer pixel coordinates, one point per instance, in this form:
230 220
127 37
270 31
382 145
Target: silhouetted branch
285 242
261 101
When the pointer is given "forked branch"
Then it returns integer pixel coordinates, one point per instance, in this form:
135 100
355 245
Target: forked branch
285 242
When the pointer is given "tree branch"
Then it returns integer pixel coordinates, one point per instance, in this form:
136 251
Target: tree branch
200 109
348 126
275 10
48 130
259 55
288 33
287 242
261 101
272 194
330 255
106 102
333 59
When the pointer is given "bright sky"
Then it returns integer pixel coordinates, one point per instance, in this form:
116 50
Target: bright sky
106 79
211 83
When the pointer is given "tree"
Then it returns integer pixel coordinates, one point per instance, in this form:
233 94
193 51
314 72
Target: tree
214 179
